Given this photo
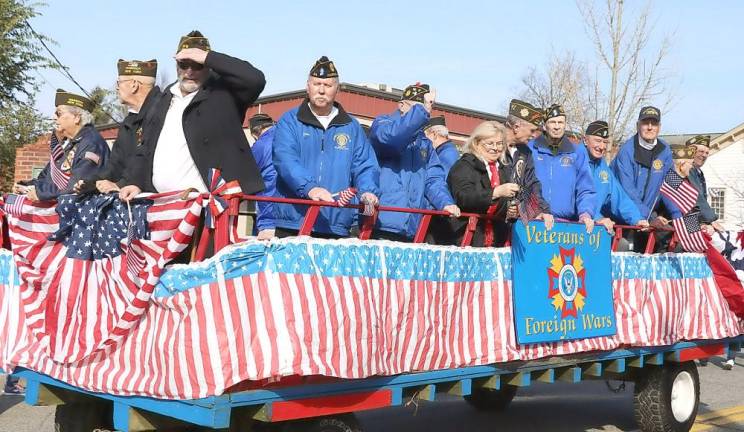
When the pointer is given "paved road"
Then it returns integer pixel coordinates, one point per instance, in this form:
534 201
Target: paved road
588 406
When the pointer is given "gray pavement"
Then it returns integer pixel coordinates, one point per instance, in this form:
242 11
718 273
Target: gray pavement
588 406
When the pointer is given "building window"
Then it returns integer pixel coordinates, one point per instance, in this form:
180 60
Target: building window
717 198
35 171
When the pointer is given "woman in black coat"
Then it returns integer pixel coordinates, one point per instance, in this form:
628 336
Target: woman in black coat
479 183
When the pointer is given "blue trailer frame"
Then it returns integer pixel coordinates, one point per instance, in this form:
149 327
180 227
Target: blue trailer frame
269 405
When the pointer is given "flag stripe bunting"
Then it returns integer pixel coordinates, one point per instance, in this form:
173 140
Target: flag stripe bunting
258 319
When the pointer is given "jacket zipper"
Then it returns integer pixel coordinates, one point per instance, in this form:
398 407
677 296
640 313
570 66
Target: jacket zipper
322 151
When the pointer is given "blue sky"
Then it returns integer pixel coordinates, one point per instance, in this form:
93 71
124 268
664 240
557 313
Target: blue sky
473 52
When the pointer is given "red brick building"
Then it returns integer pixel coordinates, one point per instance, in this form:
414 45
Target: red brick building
365 102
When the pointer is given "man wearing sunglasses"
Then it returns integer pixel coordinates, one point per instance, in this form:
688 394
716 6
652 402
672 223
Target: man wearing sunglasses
198 124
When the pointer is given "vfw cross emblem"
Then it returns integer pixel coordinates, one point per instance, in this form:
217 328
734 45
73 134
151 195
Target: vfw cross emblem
567 280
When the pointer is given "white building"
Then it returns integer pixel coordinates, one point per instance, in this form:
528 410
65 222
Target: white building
724 175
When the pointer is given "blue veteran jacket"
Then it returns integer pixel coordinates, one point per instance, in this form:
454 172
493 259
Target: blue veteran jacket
448 155
262 154
410 170
308 156
641 172
567 183
612 201
85 156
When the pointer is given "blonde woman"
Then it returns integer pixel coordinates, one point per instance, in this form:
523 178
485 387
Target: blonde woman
480 183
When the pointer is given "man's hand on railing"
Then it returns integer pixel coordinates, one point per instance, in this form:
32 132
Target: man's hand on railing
643 223
320 194
608 224
588 222
128 192
106 186
718 227
660 222
266 234
370 201
548 219
453 210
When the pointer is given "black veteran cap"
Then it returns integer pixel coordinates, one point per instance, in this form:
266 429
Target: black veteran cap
598 128
703 140
435 121
260 119
525 111
649 112
147 68
70 99
324 68
554 110
415 92
682 151
193 40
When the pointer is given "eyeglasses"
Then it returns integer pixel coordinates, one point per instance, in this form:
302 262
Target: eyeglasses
185 64
492 144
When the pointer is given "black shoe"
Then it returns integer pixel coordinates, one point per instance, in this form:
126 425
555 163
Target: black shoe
14 390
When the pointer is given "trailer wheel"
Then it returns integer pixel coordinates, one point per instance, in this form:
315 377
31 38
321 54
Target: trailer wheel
83 417
484 399
666 399
340 423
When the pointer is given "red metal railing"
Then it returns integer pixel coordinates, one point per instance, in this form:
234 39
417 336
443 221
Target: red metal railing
222 231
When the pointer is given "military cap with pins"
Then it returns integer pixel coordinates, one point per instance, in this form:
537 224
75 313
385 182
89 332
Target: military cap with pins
147 68
71 99
649 112
415 92
703 140
260 119
554 110
193 40
324 68
598 128
682 151
525 111
435 121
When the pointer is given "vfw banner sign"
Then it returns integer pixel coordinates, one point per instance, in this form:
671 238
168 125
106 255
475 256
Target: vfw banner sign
562 282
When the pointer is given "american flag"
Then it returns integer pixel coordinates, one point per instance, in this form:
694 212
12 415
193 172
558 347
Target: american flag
59 177
529 206
689 234
680 191
14 204
345 196
79 294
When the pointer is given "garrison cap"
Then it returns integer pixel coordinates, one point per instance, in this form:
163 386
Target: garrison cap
147 68
649 112
554 110
435 121
598 128
525 111
70 99
193 40
324 68
415 92
682 151
703 140
260 119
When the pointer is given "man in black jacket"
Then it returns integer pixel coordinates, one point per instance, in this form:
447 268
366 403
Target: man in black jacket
137 91
521 123
197 124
